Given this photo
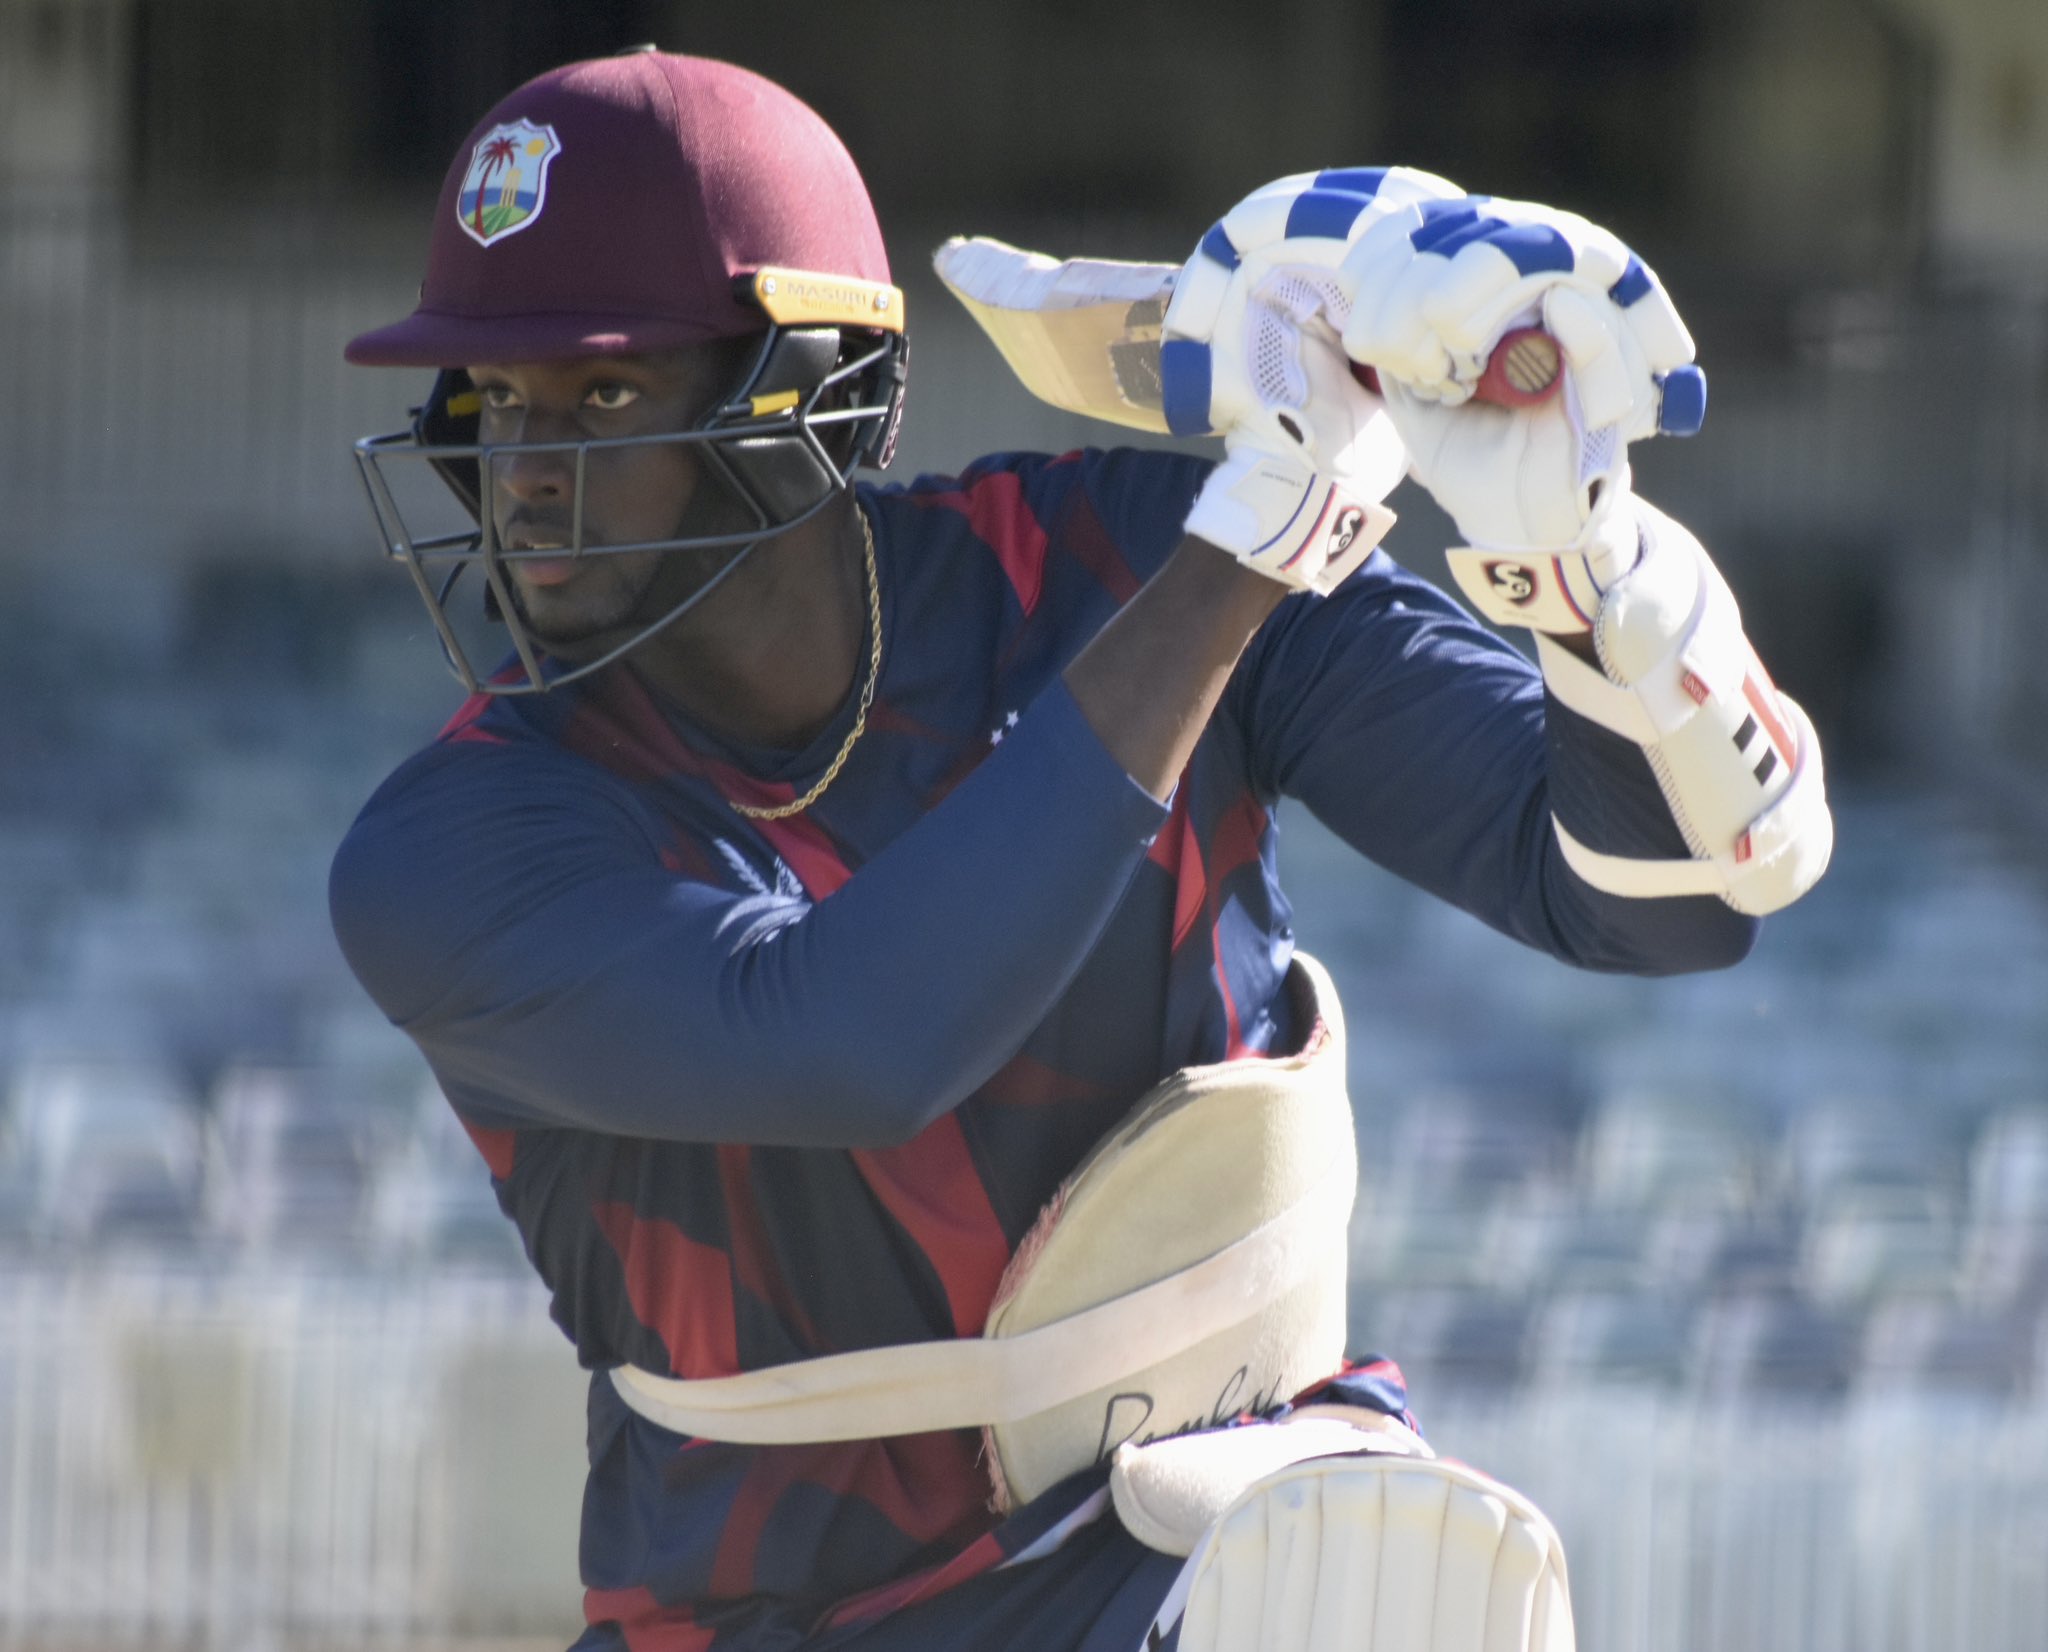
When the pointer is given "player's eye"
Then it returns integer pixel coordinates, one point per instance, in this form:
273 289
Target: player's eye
499 398
611 397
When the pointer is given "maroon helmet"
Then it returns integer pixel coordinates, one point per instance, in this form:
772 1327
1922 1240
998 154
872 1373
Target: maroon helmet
633 204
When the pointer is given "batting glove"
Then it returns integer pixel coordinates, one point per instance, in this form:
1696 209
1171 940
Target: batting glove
1250 349
1437 284
1435 290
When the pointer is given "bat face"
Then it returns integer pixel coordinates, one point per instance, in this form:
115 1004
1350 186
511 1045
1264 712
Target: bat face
1080 333
1085 333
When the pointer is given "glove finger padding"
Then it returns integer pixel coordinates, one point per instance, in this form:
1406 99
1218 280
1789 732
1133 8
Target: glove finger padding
1605 361
1437 287
1220 361
1345 428
1297 497
1501 259
1390 277
1250 349
1377 1554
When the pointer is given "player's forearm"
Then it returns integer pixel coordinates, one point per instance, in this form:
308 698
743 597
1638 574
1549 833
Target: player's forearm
554 972
1149 680
1422 739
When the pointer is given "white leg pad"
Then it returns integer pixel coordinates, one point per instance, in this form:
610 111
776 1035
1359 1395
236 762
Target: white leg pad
1370 1553
1169 1492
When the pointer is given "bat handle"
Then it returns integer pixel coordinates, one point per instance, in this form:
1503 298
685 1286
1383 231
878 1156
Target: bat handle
1525 369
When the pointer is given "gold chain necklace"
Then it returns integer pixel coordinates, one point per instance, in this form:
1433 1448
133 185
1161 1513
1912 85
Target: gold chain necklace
782 811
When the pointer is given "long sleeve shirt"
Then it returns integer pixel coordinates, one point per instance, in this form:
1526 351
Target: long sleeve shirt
757 1090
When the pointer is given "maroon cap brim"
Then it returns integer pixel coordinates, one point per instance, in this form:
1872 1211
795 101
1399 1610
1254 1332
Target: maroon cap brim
430 339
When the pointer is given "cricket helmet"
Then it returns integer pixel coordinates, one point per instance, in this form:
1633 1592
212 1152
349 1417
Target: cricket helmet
628 205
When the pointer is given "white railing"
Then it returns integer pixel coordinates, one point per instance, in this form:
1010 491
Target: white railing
334 1457
192 1456
1900 1526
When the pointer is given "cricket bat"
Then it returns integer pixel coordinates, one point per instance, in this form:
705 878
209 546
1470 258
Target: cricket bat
1084 333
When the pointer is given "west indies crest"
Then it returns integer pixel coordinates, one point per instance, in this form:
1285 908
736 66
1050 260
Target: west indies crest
507 182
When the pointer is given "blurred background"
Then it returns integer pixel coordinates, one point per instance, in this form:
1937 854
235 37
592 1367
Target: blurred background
1745 1277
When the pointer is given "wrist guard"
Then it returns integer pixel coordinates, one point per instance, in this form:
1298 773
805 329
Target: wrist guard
1738 762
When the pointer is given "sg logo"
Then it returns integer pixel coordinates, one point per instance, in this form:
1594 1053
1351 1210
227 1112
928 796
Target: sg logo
1349 521
1514 581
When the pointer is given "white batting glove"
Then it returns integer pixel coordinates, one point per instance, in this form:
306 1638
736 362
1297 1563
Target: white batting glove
1436 285
1547 515
1250 349
1549 485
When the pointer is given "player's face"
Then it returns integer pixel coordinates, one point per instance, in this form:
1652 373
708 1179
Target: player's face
645 491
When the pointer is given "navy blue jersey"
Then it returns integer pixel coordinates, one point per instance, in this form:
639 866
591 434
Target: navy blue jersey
757 1090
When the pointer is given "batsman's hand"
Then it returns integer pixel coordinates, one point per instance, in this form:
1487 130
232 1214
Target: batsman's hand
1434 290
1436 285
1251 350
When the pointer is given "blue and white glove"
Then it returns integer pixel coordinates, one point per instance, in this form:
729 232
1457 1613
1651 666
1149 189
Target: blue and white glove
1434 290
1250 350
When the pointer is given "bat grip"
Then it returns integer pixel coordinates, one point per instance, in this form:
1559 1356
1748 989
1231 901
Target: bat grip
1525 369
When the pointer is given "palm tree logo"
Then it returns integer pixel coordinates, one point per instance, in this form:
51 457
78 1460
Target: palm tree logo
506 183
493 154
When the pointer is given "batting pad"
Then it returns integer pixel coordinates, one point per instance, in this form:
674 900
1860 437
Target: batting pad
1370 1553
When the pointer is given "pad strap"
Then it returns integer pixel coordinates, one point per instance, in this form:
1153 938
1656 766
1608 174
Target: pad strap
1795 822
1639 879
971 1382
1667 699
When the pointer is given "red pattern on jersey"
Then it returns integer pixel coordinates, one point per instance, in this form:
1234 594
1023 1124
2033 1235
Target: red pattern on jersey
931 1187
928 1486
884 718
966 760
680 1289
463 727
984 1553
647 1625
466 725
1088 542
1178 851
1233 845
996 509
1023 1081
768 1477
754 1262
685 858
808 852
618 724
